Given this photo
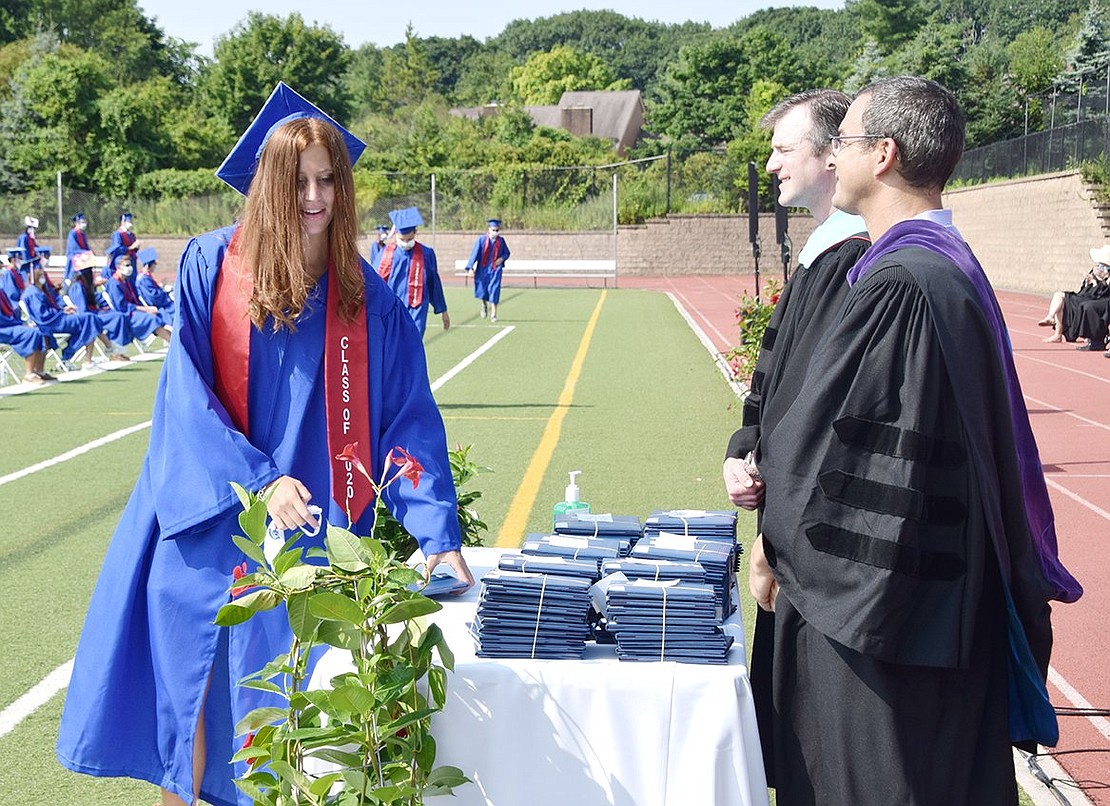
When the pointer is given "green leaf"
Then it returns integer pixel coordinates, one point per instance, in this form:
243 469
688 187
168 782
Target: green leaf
366 587
253 521
251 549
287 772
337 757
410 719
353 699
302 622
321 698
403 577
345 551
437 686
259 718
409 609
377 550
392 793
244 496
334 607
262 685
333 633
257 787
299 577
259 601
324 783
426 754
252 752
231 614
447 776
287 557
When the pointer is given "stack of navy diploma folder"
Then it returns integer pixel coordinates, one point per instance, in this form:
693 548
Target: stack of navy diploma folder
655 570
717 557
559 566
700 523
626 529
526 615
573 548
675 621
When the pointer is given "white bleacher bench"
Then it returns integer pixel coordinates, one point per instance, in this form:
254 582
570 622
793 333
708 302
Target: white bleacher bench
514 267
59 262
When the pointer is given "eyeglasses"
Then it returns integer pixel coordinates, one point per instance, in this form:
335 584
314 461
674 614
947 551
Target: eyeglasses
837 140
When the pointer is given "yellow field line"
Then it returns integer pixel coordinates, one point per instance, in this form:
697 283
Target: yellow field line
512 530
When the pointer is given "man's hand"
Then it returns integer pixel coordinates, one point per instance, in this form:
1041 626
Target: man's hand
446 321
761 582
454 560
743 490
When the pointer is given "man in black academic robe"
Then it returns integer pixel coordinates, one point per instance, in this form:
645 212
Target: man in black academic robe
907 524
801 126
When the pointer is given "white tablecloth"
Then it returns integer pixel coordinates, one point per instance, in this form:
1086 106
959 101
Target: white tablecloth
591 732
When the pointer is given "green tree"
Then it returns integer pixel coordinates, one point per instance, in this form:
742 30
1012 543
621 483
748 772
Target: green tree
1089 57
407 72
448 58
485 79
51 121
824 41
136 135
1035 60
754 144
265 49
363 81
891 23
546 76
14 16
705 90
937 52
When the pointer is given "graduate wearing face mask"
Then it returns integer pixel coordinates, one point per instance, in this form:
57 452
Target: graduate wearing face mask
409 268
379 244
145 319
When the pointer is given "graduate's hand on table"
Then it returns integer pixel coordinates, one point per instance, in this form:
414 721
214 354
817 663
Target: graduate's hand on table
743 490
287 504
761 582
446 321
454 560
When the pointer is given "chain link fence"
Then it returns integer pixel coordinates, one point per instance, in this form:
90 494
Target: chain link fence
542 198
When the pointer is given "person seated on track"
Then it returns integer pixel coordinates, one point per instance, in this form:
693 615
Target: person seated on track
1063 310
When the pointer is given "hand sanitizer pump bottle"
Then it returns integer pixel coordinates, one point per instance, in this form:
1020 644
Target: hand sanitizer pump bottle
570 502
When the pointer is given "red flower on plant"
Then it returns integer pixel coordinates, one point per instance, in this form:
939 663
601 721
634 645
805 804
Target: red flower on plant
237 573
774 299
249 741
410 466
349 454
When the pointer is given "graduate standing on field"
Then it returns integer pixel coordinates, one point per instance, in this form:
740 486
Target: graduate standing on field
378 246
410 269
79 257
487 259
123 242
278 318
27 242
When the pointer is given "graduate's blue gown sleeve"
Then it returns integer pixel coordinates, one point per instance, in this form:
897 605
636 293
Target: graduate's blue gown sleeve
435 284
475 253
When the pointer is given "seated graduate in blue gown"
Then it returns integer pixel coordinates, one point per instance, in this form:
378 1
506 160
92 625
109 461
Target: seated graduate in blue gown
410 269
13 278
146 320
487 258
28 243
244 396
124 242
51 316
27 341
150 290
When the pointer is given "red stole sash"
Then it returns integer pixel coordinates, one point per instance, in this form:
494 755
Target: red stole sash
416 272
128 290
6 305
17 278
346 375
82 241
32 247
485 253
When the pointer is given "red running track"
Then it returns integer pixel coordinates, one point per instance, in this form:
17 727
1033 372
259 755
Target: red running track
1067 393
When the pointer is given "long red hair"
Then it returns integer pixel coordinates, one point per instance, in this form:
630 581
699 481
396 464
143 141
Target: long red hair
271 241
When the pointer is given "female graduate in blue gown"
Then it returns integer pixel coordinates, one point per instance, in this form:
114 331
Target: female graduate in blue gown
153 694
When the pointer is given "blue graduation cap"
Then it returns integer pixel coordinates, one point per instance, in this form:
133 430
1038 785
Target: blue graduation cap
382 228
77 217
15 252
44 251
283 106
125 217
147 255
406 219
495 223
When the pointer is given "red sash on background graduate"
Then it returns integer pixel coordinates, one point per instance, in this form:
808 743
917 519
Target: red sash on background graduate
346 370
485 252
416 272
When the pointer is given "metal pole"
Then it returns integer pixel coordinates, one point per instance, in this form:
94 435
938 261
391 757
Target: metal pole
433 211
668 208
615 231
61 232
1107 111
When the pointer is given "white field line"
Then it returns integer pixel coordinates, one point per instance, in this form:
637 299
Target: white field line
722 365
65 457
38 696
42 692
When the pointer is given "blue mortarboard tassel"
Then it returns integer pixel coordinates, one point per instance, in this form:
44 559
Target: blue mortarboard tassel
147 255
283 105
406 219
